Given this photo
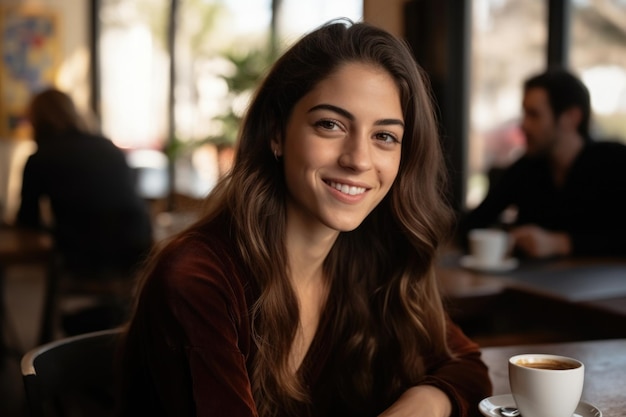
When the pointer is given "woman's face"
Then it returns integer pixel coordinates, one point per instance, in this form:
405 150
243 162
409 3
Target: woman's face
342 148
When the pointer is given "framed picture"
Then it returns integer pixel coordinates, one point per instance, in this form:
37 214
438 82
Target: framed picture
30 51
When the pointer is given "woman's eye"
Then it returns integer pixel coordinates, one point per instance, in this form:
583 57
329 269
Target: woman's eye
328 124
386 137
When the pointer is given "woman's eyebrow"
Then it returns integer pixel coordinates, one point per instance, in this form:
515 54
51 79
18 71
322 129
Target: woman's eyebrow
387 122
345 113
350 116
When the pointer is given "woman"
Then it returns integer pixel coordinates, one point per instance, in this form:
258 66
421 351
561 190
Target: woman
307 288
100 222
101 225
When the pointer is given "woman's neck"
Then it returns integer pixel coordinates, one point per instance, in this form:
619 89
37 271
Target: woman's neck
307 248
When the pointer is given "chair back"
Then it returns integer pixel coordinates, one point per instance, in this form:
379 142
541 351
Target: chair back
72 376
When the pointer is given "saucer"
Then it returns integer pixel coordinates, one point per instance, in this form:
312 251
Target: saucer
470 262
490 407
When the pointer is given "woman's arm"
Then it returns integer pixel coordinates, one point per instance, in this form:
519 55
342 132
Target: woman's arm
193 337
420 401
453 386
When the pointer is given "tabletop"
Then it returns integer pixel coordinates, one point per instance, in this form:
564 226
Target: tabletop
570 277
605 369
598 282
571 298
18 245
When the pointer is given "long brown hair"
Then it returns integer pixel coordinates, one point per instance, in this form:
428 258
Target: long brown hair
383 296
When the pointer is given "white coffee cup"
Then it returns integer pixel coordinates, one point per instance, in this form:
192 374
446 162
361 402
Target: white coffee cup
488 247
546 385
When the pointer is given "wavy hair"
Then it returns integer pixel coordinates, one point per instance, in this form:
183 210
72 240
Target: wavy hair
384 304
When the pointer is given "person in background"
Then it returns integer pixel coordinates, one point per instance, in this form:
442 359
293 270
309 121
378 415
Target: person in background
307 288
567 189
100 224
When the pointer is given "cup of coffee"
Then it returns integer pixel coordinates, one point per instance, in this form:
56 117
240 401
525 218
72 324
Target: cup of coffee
488 247
546 385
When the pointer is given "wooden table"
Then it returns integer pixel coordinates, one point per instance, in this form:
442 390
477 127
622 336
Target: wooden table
22 247
605 370
579 298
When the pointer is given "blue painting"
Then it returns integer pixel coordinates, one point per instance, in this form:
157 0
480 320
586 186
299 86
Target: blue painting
30 52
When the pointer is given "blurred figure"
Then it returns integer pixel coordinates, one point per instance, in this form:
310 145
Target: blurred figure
100 224
567 190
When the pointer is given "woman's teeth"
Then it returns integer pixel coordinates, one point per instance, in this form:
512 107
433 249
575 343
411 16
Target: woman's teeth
347 189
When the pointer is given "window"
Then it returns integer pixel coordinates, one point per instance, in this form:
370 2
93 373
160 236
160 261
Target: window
598 55
134 66
134 71
509 39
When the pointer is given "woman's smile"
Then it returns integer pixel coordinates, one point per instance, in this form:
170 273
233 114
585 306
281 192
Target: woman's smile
346 188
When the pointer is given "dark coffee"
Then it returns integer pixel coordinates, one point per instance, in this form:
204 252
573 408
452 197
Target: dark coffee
553 364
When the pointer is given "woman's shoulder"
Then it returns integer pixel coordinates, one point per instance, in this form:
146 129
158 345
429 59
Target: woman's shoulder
196 285
201 258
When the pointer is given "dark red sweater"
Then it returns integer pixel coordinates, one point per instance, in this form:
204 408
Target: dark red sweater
189 346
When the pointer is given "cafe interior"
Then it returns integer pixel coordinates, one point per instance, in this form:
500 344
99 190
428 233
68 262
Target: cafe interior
167 81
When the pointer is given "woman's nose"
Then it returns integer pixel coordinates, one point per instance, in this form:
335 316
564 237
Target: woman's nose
356 153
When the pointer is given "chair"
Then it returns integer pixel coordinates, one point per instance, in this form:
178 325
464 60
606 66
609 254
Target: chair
107 293
72 376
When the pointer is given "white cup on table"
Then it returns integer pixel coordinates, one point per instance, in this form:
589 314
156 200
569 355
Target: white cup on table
488 247
546 385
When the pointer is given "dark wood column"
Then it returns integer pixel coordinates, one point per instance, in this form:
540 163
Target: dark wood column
558 25
94 57
439 34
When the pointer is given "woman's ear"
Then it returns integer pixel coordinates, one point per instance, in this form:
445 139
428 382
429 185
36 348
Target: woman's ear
277 149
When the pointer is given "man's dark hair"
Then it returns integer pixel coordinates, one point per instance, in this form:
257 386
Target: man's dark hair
565 91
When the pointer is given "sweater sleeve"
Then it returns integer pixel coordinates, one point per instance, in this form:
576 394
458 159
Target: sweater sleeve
464 377
191 313
207 308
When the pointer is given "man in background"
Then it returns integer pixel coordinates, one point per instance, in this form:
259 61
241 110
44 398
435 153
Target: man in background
568 191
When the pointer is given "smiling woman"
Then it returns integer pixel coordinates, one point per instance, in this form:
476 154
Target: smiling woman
307 287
